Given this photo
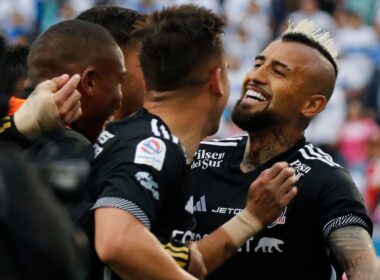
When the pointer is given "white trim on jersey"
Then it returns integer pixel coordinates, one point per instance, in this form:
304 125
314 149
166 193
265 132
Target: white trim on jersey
175 139
228 139
342 221
107 273
314 153
225 144
154 127
333 273
323 153
165 132
124 204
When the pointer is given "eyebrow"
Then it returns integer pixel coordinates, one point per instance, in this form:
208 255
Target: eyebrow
274 62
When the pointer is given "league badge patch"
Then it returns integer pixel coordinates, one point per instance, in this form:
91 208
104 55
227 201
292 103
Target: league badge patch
151 152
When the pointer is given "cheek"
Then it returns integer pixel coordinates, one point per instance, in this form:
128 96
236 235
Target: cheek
114 93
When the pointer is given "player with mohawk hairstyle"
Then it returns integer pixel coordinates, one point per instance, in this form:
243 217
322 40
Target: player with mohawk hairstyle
325 230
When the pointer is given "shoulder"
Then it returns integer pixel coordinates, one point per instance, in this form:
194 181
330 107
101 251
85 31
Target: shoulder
142 124
141 139
309 159
314 166
219 154
60 144
314 155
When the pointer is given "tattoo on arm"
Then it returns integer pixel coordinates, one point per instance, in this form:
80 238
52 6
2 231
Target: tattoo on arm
353 249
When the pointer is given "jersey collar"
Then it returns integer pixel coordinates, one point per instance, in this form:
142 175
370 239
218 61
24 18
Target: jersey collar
238 155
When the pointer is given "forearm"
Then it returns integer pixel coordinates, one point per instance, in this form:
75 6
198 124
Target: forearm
365 268
216 248
131 250
145 260
354 251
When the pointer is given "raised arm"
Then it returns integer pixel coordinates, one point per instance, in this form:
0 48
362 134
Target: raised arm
353 248
53 104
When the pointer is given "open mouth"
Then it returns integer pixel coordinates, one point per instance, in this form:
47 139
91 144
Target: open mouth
250 93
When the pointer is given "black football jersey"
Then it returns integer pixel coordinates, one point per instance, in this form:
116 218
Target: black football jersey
140 167
295 246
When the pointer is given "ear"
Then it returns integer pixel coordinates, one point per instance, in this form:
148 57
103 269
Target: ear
216 82
88 81
314 105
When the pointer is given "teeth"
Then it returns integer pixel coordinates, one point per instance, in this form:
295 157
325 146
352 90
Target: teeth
255 95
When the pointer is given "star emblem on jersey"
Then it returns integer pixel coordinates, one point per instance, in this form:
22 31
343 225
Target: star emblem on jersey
151 152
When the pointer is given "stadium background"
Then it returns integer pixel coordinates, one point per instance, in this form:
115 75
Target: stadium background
348 128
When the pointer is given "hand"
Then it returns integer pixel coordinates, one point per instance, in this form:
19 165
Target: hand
50 106
67 98
271 192
197 266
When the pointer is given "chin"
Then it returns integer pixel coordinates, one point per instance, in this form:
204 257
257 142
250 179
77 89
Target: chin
253 121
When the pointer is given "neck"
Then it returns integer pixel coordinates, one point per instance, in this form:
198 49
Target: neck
90 130
184 118
264 145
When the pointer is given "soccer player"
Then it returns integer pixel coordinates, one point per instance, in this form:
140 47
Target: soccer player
36 239
325 230
142 191
120 23
77 46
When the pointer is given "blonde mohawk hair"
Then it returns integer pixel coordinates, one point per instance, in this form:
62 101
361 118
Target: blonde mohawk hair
317 38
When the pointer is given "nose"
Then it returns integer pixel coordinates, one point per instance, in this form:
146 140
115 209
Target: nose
259 75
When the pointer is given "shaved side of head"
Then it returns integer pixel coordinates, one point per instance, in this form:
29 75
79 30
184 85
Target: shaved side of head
67 47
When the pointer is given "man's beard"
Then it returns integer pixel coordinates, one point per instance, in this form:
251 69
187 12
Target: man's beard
252 122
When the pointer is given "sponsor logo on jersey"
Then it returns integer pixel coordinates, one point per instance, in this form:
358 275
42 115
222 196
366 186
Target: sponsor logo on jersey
189 207
183 236
245 248
226 210
233 211
267 245
146 180
204 159
280 219
151 152
102 139
300 168
200 205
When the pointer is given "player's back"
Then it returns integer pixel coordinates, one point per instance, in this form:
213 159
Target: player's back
141 168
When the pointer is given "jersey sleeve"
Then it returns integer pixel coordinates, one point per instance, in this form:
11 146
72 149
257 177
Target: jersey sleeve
136 177
10 133
340 205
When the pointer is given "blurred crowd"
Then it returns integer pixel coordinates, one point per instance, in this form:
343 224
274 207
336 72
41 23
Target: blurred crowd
348 128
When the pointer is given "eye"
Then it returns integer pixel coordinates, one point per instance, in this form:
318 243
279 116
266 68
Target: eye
278 72
257 65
